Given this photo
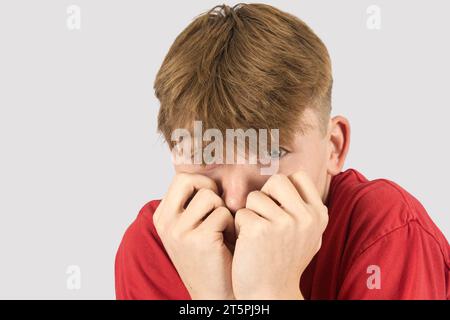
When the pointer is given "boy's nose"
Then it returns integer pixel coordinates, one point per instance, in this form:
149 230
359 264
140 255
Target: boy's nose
235 185
235 196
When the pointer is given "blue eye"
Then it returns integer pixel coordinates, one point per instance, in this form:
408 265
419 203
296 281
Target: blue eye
278 153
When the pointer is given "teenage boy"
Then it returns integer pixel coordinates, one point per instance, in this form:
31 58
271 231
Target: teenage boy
309 231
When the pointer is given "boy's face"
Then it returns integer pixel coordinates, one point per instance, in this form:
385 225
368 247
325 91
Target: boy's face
310 152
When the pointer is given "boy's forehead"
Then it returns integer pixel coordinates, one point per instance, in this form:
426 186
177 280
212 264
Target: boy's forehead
287 135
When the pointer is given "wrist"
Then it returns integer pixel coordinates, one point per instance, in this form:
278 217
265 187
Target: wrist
271 295
206 296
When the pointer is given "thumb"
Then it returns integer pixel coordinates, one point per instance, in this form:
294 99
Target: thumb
244 216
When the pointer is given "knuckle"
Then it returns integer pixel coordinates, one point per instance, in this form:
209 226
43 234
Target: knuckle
209 195
252 196
320 212
299 175
324 218
324 211
277 178
319 245
181 178
238 216
181 181
205 193
223 211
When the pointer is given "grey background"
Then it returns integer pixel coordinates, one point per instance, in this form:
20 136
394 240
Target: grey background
79 150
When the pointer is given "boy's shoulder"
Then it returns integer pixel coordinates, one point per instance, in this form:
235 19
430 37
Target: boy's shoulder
372 209
351 188
142 229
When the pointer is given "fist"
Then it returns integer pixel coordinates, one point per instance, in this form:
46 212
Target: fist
197 231
279 232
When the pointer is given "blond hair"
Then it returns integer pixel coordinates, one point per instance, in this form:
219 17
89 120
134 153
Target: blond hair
246 66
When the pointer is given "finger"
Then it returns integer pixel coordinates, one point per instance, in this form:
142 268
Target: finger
202 204
182 189
263 205
306 188
245 218
281 189
220 220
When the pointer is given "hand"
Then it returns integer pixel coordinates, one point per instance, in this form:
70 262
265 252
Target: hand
279 232
198 235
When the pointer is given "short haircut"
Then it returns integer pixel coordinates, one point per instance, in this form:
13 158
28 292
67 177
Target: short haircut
246 66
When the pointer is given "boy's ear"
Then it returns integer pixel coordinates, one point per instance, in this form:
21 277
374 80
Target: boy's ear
338 143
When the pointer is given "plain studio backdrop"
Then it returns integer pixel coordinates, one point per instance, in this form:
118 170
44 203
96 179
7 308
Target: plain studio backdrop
79 151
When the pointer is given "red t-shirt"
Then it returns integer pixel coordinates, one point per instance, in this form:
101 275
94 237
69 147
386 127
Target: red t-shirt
380 243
